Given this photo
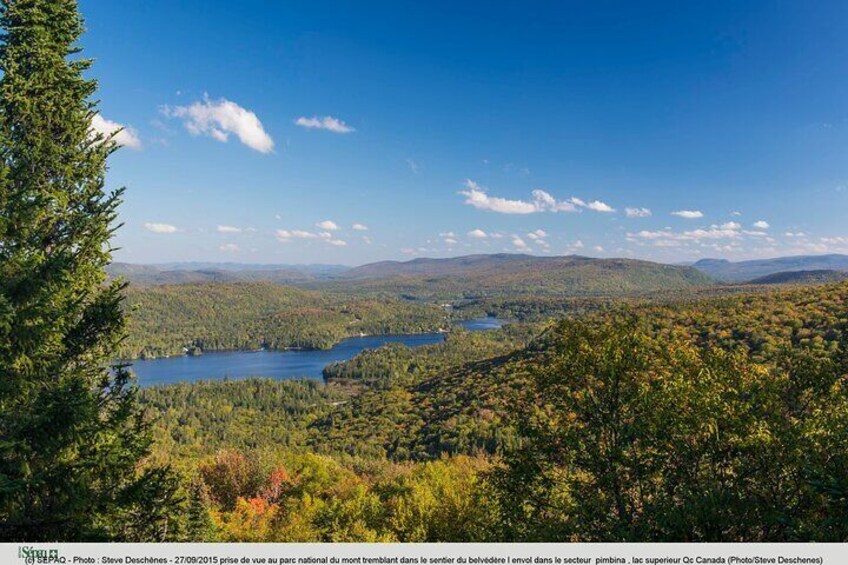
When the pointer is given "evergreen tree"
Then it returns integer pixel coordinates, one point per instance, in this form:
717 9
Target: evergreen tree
199 524
71 433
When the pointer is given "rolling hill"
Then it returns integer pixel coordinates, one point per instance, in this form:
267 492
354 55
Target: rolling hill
741 271
802 277
511 274
188 273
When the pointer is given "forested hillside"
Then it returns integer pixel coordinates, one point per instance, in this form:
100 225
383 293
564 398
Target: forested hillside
168 319
740 271
502 275
802 277
220 316
716 419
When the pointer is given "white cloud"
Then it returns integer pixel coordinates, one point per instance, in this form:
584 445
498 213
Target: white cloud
160 228
359 227
519 243
725 231
327 225
541 201
761 225
546 202
325 236
228 229
598 248
795 234
537 235
729 237
125 136
837 240
451 241
688 214
637 212
477 197
599 206
328 123
447 234
413 166
220 118
477 234
229 247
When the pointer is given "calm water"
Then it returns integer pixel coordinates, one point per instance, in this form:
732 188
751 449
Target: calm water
277 364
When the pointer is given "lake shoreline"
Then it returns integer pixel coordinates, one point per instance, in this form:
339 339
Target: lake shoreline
281 364
203 352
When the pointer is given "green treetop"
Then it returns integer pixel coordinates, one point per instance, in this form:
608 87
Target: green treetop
71 434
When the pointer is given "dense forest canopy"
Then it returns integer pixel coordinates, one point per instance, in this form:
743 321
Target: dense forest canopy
624 401
165 320
716 419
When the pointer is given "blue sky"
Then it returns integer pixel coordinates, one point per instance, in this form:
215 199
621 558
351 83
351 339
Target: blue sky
263 132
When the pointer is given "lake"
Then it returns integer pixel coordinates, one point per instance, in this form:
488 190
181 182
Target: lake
292 364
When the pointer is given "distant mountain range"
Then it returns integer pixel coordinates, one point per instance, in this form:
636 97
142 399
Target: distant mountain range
503 272
802 277
509 274
458 276
185 273
744 271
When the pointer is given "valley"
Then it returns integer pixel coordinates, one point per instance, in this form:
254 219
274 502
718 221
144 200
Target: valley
396 440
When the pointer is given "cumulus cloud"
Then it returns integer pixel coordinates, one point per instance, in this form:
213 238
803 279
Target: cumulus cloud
541 201
328 123
546 202
324 236
160 228
595 205
637 212
450 241
125 136
537 235
688 214
714 232
477 197
599 206
519 243
327 225
725 237
229 229
229 247
219 119
478 234
761 225
359 227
